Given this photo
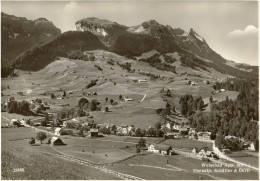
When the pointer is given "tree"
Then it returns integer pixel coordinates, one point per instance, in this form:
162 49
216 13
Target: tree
120 97
167 109
41 136
83 103
52 96
43 123
32 141
111 101
64 93
106 99
113 129
93 105
159 133
106 109
138 150
151 132
114 83
139 132
157 125
141 143
173 108
210 99
219 140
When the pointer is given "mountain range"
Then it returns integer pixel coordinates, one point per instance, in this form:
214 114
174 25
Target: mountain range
94 33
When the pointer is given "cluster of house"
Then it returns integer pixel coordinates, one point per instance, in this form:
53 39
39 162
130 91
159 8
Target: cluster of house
204 152
17 122
218 91
201 136
160 149
20 93
90 93
247 145
191 83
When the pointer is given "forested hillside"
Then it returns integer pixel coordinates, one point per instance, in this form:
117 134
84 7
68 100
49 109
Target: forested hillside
237 118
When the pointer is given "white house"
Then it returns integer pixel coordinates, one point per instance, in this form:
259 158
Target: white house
128 99
152 148
57 131
251 146
204 136
222 90
142 80
159 148
168 125
203 151
176 126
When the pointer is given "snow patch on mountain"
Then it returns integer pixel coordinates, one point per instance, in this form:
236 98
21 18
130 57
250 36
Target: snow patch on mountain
139 29
101 31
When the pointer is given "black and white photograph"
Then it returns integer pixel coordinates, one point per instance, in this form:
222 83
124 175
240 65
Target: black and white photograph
129 90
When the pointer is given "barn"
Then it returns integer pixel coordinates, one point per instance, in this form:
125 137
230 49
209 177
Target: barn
93 132
56 141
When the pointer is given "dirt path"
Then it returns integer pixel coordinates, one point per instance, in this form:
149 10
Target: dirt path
137 93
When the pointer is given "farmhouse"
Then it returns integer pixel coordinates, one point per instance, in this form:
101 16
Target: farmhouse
159 148
142 80
251 146
192 83
56 141
170 135
184 132
193 136
20 93
222 90
229 137
14 122
203 151
57 131
128 99
204 136
93 132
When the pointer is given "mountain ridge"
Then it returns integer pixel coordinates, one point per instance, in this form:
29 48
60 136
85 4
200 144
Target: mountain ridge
150 35
20 34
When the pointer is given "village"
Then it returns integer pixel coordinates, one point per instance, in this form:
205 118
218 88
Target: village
122 122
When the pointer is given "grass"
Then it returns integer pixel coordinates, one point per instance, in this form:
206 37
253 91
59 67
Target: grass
187 164
36 165
245 158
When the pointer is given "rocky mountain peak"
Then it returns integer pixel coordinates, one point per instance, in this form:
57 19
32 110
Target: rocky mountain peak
195 35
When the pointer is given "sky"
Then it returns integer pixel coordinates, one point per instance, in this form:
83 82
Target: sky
230 28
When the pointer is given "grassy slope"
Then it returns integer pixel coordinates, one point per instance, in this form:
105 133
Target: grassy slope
70 75
18 154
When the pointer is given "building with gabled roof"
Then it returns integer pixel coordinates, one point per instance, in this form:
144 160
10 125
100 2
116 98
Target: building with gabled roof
159 148
56 141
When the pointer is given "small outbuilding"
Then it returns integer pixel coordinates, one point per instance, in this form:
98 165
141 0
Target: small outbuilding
93 132
56 141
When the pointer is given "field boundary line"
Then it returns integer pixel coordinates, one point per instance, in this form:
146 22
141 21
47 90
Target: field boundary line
150 166
91 164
